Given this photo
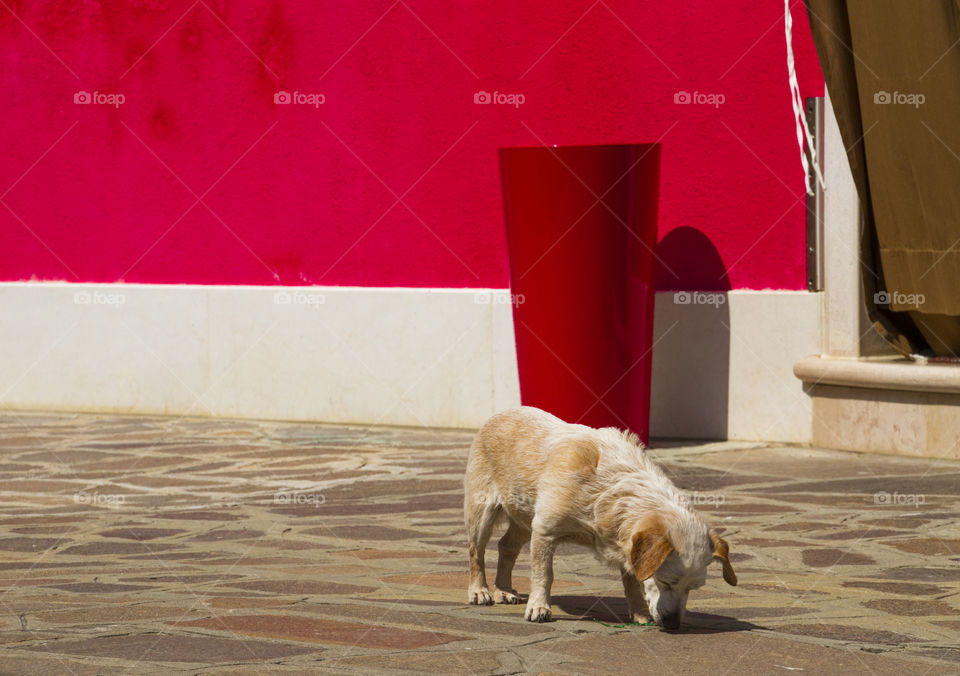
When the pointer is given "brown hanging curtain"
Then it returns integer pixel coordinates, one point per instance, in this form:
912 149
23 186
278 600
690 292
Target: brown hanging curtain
892 68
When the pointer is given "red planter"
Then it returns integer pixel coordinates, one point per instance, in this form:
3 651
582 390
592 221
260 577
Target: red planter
582 230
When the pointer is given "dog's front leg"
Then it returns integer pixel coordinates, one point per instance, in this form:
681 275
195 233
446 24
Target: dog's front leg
636 601
541 577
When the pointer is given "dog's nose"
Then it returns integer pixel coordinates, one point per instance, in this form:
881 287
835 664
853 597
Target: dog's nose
671 621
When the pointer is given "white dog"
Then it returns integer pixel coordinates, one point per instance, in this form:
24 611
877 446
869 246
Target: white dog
554 482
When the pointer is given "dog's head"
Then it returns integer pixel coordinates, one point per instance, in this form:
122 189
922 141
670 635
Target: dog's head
669 567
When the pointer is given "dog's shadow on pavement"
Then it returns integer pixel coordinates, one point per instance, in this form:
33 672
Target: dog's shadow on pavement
613 610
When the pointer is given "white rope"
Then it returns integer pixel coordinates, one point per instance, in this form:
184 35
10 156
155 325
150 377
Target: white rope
800 119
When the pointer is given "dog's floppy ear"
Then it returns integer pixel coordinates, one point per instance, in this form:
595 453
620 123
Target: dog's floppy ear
650 547
721 551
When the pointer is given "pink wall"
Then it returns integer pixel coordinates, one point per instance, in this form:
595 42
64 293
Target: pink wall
297 194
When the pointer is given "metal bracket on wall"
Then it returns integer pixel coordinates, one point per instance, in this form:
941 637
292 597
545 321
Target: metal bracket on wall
813 109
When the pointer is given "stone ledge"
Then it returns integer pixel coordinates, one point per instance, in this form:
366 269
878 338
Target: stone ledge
883 374
883 406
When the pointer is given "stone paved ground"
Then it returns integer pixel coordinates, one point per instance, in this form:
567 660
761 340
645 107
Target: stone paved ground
157 545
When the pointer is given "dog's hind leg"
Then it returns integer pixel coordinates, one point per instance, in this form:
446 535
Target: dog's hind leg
509 548
480 517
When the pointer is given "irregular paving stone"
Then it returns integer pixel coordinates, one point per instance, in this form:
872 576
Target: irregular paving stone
398 614
896 587
107 614
911 607
928 546
800 526
301 587
198 515
779 588
897 522
367 533
172 648
107 547
952 624
446 662
98 587
746 508
13 565
739 652
756 612
184 578
47 518
859 534
926 484
387 554
819 558
921 574
37 545
768 542
843 632
235 602
28 582
217 535
139 533
300 628
947 653
45 530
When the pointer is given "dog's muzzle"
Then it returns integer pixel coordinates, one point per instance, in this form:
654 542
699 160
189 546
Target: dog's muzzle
671 621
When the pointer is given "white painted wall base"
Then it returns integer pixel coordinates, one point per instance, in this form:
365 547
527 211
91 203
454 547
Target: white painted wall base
337 354
399 356
724 370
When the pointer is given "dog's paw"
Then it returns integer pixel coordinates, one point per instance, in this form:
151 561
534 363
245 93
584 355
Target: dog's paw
506 596
479 597
537 613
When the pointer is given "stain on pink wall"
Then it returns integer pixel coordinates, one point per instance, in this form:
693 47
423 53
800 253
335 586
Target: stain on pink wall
198 176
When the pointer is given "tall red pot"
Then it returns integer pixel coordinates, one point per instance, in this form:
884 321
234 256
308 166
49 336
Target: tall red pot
582 230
